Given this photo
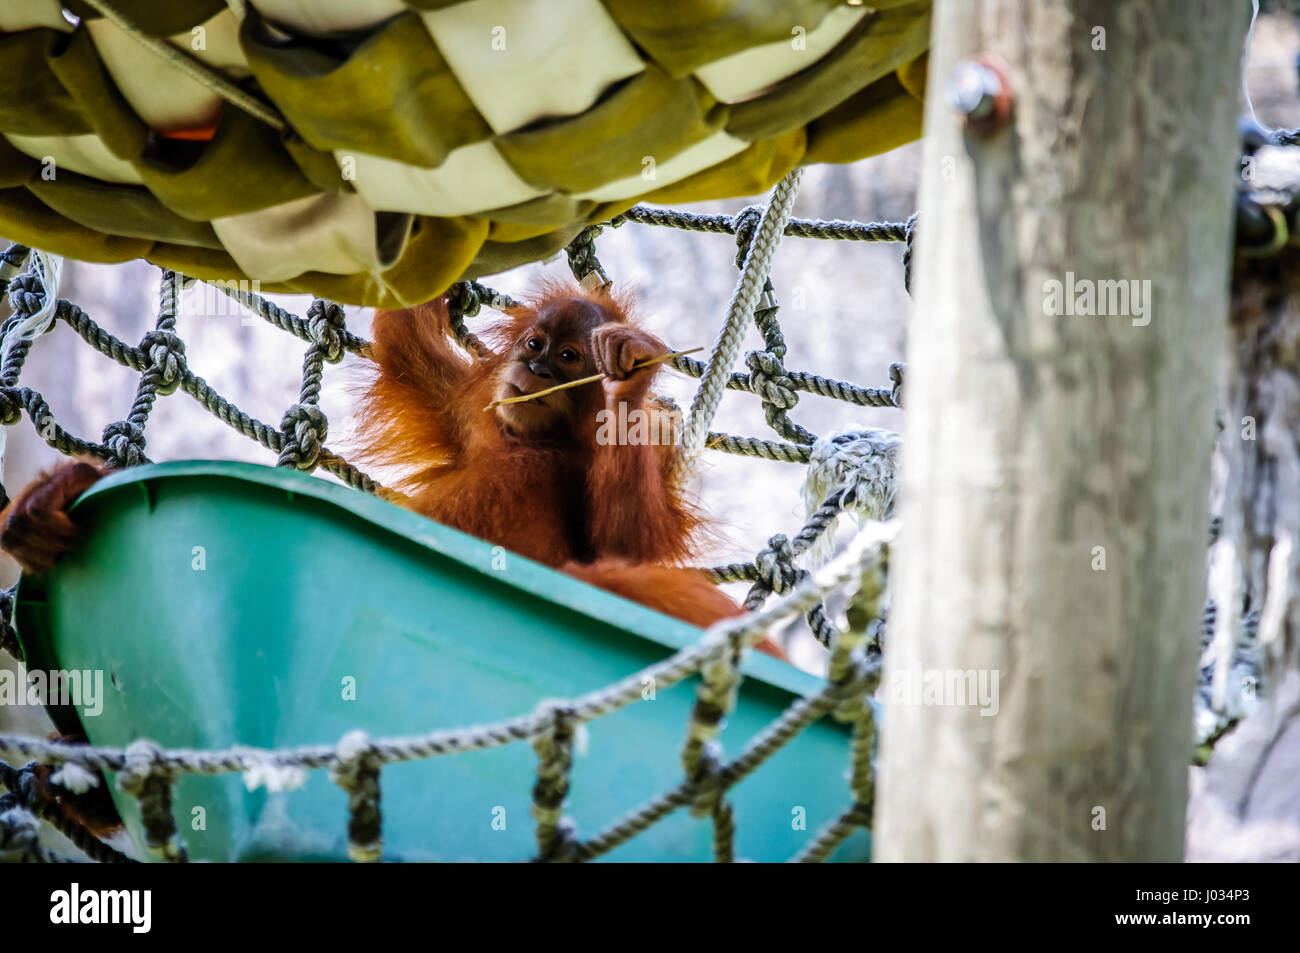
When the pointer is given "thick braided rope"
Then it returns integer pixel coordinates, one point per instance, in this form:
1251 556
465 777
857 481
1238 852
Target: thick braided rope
553 744
702 752
801 380
272 313
774 569
853 673
22 783
758 447
272 437
752 278
20 833
228 413
147 777
795 227
8 637
770 740
125 439
463 300
304 426
11 262
834 834
584 264
356 771
33 297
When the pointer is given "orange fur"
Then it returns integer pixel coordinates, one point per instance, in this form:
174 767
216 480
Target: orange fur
606 514
554 499
685 594
35 528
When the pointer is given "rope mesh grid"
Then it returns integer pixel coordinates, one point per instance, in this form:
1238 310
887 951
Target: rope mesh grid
148 772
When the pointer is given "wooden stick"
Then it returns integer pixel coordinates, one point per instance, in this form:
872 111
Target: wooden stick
587 380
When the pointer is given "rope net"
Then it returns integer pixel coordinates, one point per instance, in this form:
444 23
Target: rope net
850 473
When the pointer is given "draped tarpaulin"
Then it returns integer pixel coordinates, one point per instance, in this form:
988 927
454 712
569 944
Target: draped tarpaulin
425 140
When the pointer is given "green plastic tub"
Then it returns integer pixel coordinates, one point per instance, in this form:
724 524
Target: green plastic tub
230 604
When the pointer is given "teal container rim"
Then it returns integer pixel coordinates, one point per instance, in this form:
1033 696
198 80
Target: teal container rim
526 575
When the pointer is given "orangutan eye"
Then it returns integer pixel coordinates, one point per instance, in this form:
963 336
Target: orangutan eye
568 354
534 344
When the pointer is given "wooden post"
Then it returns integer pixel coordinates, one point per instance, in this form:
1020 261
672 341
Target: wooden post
1056 471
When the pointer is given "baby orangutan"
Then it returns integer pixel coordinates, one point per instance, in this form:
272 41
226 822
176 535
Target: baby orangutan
538 477
541 477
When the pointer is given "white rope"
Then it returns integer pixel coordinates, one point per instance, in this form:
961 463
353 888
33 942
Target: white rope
1245 60
753 274
863 462
49 268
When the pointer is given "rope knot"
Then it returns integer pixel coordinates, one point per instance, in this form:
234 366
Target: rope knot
356 771
706 780
166 352
20 833
11 411
909 232
148 778
304 428
851 688
746 222
26 294
24 783
583 262
143 762
328 325
125 441
769 379
896 375
553 743
776 566
463 299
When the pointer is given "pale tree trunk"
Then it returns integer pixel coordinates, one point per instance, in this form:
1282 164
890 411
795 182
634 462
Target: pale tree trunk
1056 474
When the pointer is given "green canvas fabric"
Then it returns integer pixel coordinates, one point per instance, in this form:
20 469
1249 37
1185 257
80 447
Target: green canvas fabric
881 115
390 91
126 210
751 172
25 218
317 167
495 257
876 47
33 102
156 17
243 151
650 114
394 96
16 168
550 211
105 112
692 34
